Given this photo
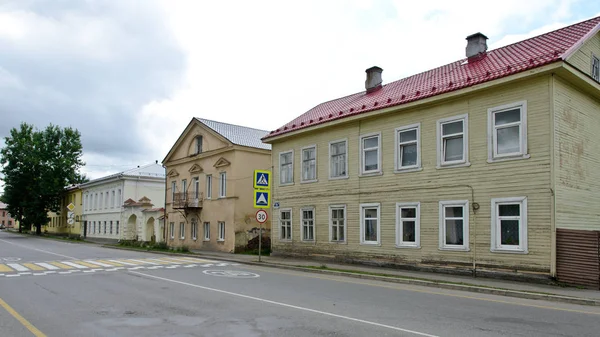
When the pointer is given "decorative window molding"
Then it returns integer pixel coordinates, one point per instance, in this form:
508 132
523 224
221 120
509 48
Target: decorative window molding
370 154
509 225
172 173
307 223
337 223
407 153
309 164
286 168
338 159
454 225
507 132
222 162
370 224
196 169
452 132
408 225
285 224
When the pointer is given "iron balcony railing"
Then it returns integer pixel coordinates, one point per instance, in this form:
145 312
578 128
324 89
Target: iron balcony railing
183 200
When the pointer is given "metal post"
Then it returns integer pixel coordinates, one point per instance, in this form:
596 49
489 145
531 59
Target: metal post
259 240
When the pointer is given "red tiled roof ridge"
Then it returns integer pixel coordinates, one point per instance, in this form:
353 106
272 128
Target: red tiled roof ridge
523 55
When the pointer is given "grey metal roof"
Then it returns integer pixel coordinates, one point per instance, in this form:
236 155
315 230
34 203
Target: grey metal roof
239 135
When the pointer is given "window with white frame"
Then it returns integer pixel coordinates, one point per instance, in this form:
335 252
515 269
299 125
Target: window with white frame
104 227
94 227
286 167
285 224
173 190
196 188
184 188
407 148
198 144
453 140
221 231
101 200
408 224
171 230
106 200
370 224
97 202
209 186
507 131
337 223
117 228
509 224
182 230
454 225
111 228
309 164
223 185
207 231
112 200
194 230
338 161
119 198
595 68
307 219
370 154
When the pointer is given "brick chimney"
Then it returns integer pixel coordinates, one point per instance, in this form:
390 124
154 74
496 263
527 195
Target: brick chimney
476 45
373 82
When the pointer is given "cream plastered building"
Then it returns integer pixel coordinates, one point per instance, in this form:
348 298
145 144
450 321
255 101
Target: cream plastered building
105 214
472 166
210 185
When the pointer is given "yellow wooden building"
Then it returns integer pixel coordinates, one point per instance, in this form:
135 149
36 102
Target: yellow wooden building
67 221
472 166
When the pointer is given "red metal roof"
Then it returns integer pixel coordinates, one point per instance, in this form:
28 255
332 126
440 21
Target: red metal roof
524 55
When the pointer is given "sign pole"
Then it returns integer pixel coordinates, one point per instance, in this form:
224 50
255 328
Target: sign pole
259 240
262 197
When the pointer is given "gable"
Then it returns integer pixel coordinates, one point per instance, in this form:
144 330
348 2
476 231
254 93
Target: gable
185 146
582 56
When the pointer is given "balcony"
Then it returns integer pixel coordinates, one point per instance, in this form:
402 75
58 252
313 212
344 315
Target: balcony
187 200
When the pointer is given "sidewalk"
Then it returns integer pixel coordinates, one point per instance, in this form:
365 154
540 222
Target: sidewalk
439 280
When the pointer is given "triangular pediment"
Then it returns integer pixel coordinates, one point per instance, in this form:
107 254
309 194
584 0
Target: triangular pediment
196 168
222 162
145 200
173 173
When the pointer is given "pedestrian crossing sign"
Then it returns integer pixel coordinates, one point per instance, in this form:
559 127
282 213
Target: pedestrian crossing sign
262 199
262 179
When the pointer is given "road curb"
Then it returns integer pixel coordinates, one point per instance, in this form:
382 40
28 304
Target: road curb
392 279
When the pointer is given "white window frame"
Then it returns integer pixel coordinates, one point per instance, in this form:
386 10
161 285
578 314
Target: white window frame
117 228
101 202
206 231
222 184
398 153
442 230
362 224
400 243
171 229
209 186
302 226
114 200
595 72
302 180
221 226
440 142
119 199
492 135
184 188
194 230
106 200
182 230
173 189
198 144
331 230
496 246
196 187
362 154
291 224
345 176
281 183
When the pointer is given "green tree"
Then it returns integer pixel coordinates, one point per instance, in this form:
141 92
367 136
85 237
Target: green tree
37 165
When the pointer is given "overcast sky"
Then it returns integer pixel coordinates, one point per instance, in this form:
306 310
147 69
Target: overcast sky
131 74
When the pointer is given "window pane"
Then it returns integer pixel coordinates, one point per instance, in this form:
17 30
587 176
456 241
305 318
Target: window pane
454 232
371 160
285 215
452 128
509 210
370 213
408 213
506 117
409 155
509 232
407 136
308 154
454 212
286 158
338 148
370 230
370 142
341 230
453 149
408 231
508 140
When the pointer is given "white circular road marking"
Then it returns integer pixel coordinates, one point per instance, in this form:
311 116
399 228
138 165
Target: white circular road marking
231 273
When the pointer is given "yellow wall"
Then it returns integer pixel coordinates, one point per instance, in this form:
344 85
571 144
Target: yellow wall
58 222
582 58
526 177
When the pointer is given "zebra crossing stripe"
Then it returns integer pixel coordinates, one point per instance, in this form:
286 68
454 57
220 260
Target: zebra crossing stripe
32 266
123 262
87 264
78 266
171 261
143 262
110 264
99 263
47 266
4 268
159 261
61 265
17 267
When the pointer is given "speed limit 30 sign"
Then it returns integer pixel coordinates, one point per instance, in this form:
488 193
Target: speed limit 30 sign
261 216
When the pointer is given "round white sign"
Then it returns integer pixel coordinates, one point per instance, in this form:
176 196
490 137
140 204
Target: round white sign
261 216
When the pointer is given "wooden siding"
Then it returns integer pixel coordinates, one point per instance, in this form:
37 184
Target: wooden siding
478 183
582 58
577 158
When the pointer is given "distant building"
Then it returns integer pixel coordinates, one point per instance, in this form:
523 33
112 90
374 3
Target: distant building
120 206
6 221
210 185
67 221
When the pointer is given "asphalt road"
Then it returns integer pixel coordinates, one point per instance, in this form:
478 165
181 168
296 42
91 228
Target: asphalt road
154 295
